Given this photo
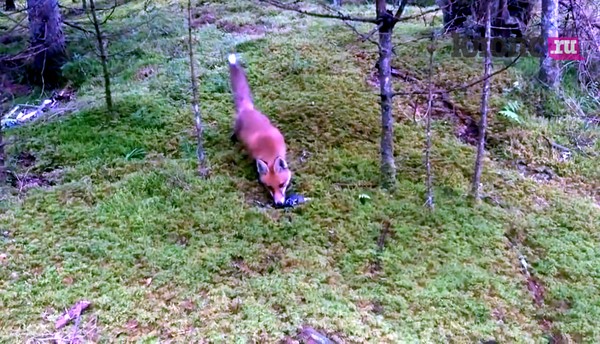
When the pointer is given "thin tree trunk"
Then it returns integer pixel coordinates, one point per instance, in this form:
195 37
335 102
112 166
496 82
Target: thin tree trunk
549 74
484 109
202 169
337 3
2 159
103 58
9 5
47 40
84 5
429 200
388 166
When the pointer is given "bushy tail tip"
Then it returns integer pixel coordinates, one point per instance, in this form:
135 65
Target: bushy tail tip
232 59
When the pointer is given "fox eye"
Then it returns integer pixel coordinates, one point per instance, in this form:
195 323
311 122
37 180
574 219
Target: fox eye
281 185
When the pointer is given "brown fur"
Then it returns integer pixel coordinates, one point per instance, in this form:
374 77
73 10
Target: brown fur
261 139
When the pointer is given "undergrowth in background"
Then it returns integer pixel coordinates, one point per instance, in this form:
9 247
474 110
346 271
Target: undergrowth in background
160 253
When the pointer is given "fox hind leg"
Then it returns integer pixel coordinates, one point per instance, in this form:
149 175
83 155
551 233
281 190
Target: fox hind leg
236 129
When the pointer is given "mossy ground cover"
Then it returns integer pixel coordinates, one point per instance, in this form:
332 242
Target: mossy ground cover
163 254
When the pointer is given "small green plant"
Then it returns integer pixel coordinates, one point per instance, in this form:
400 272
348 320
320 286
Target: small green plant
135 153
511 110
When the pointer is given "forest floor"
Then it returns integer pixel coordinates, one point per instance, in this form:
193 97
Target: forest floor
112 210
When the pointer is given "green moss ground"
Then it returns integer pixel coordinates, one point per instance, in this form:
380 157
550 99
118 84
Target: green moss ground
162 254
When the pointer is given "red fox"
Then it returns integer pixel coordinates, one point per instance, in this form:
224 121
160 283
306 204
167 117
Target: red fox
261 139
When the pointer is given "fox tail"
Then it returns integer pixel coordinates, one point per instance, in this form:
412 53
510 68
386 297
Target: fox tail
242 96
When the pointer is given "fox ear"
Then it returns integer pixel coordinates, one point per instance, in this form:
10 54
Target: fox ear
280 165
261 167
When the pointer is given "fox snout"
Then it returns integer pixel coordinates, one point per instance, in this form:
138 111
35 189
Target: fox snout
278 194
279 198
276 179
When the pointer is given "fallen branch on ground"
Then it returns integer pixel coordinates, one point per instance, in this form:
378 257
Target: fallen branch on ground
73 313
556 145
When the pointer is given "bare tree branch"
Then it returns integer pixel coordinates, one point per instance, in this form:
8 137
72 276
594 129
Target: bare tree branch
201 155
364 37
417 16
17 25
77 27
103 58
476 182
400 9
463 86
15 21
319 15
109 15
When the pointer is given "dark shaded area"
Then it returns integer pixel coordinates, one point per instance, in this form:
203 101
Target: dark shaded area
509 17
47 43
9 5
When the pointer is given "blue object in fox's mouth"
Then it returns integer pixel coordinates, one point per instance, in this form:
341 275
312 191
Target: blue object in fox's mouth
293 200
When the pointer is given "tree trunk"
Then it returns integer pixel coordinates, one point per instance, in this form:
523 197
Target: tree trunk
2 159
388 166
337 3
9 5
429 182
47 41
200 154
103 58
484 108
84 5
549 74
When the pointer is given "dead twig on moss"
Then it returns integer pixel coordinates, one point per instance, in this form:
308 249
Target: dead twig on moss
556 145
73 313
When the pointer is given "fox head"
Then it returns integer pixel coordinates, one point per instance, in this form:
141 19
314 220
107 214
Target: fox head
276 178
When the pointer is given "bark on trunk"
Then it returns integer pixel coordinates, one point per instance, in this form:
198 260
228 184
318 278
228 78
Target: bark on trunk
2 159
103 58
9 5
47 41
549 74
484 109
429 200
200 154
84 5
388 166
